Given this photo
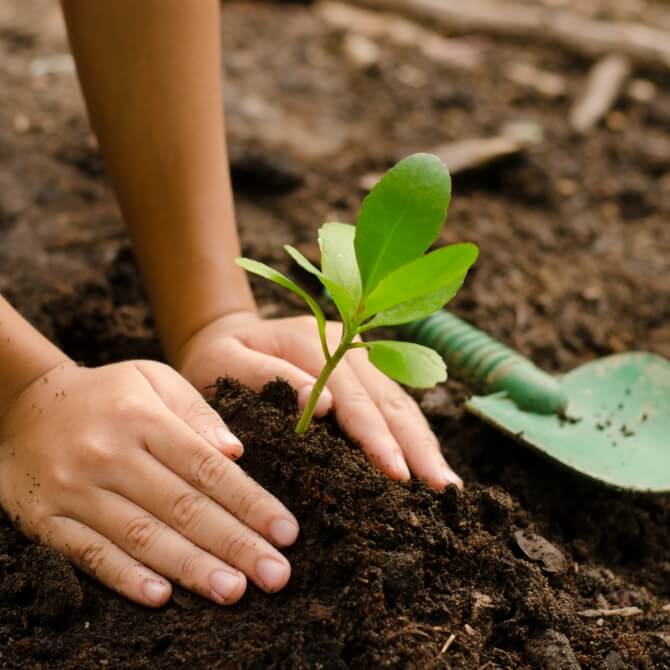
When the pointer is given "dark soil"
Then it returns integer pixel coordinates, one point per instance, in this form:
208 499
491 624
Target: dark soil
575 264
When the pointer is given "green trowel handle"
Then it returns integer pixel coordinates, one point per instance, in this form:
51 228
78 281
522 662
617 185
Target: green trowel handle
487 365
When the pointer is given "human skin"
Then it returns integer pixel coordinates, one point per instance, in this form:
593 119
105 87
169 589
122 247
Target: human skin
125 468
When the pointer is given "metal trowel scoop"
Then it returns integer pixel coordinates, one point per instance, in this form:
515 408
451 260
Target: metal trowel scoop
608 419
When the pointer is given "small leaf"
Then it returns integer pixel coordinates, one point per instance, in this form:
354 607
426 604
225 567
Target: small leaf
419 308
401 217
339 294
338 258
422 276
267 272
406 362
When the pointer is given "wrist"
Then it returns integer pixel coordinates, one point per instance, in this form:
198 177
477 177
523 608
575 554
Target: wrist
35 374
226 318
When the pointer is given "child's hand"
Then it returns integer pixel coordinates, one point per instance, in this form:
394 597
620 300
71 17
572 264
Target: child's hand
371 408
128 472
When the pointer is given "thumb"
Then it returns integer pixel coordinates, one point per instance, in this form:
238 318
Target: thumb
185 401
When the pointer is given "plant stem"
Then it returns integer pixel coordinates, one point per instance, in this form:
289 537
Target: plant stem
320 383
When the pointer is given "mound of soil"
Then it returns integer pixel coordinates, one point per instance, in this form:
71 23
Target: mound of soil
385 575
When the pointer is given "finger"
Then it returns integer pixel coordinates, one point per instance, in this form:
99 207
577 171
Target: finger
184 453
160 548
103 560
255 369
183 399
202 521
407 423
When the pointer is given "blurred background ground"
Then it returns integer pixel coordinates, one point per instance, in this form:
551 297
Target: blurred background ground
572 224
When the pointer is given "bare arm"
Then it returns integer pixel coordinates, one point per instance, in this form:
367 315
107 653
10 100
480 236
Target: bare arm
151 74
25 354
151 77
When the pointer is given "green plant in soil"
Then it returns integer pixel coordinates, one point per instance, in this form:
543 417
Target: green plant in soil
379 274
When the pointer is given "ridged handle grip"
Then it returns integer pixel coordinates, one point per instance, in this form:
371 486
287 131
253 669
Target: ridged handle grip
485 364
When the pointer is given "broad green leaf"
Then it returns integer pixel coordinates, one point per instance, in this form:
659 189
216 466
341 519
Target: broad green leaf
419 308
338 257
339 294
278 278
422 276
406 362
401 217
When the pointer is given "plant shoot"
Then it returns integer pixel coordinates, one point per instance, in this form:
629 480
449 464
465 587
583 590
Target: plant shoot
379 274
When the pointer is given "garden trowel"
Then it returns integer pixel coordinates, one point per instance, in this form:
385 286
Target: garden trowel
608 419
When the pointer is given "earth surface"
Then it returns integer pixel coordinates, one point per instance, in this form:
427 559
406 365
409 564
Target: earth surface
575 264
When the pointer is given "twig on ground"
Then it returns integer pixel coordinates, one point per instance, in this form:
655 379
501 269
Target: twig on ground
578 33
465 155
617 611
603 86
453 52
447 644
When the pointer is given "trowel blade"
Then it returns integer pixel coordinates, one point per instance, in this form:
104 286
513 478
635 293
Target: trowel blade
616 428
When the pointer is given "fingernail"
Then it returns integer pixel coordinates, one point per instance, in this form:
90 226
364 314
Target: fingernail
283 531
450 477
227 440
154 591
401 467
271 573
224 584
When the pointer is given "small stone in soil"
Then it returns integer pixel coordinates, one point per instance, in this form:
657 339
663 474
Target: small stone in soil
551 650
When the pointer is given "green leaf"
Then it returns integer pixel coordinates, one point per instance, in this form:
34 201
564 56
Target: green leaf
422 276
406 362
339 294
278 278
401 217
419 308
338 258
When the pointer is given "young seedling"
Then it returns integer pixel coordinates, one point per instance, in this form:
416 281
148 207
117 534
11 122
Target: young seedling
378 274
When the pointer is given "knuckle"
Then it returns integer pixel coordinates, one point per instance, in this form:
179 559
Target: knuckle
396 402
130 406
126 576
62 477
358 398
91 557
140 533
187 508
236 546
199 409
189 567
249 502
211 468
99 453
426 443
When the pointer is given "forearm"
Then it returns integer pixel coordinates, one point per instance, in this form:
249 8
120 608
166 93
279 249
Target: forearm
25 354
151 76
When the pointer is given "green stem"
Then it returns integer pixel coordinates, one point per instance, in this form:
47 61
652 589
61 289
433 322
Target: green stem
320 383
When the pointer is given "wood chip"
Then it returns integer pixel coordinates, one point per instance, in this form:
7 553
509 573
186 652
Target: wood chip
464 156
537 549
361 50
447 644
617 611
455 52
548 84
604 84
548 25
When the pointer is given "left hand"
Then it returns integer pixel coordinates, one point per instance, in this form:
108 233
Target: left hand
373 410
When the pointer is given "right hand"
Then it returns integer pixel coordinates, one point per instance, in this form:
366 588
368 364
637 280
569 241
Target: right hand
127 471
